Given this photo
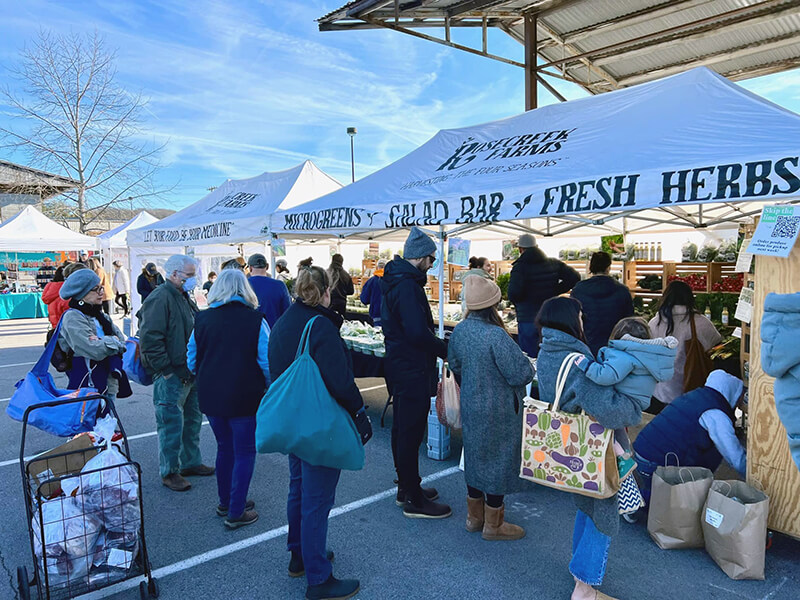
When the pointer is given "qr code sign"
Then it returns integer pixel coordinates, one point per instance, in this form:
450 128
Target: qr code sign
786 227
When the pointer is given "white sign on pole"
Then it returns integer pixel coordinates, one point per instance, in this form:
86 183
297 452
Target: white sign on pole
745 258
744 308
776 232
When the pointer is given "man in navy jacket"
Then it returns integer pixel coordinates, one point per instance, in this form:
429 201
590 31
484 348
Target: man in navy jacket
605 301
273 295
411 373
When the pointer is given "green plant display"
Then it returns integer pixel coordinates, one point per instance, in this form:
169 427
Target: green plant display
502 283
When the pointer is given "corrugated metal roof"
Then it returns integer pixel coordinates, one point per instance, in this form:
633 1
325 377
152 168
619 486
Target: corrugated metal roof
617 43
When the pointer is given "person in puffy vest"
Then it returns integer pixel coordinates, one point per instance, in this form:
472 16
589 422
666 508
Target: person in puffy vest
231 337
780 358
372 295
697 427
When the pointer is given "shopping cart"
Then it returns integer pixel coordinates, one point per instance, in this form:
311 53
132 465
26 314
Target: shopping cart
86 526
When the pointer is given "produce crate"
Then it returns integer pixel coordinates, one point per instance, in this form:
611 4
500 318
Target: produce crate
637 270
711 272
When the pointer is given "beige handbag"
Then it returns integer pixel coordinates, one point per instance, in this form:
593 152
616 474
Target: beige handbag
448 400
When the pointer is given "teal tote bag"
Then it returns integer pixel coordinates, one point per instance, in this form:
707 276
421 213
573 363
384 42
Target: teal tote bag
299 416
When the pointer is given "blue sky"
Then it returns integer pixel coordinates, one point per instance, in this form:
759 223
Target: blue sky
238 87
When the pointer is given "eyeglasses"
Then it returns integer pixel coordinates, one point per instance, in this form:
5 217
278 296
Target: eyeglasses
98 289
432 258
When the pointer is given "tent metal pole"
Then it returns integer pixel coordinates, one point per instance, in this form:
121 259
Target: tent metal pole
268 248
442 235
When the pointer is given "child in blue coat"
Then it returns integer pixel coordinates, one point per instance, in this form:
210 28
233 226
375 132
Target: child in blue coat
633 363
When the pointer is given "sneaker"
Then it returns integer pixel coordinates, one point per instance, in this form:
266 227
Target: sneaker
625 465
198 471
296 566
631 518
222 511
333 589
248 517
176 482
426 510
429 493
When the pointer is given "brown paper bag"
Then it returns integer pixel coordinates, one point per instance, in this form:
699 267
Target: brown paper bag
735 528
676 506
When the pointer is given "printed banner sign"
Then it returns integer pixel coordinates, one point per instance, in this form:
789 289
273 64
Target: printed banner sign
776 232
458 251
279 247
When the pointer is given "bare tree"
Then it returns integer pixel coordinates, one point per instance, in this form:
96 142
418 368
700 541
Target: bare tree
76 120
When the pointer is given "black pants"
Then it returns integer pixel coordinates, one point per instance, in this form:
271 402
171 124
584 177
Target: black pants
121 300
411 401
107 306
491 499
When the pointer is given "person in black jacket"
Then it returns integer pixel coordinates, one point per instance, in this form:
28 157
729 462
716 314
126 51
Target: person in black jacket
341 284
231 337
411 373
534 279
312 488
605 301
148 280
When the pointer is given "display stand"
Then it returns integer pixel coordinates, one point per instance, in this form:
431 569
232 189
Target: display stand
769 462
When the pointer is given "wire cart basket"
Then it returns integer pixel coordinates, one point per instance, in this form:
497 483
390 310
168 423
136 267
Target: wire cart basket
85 517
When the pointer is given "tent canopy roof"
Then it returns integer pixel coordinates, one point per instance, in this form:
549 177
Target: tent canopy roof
30 230
664 146
117 237
604 46
239 210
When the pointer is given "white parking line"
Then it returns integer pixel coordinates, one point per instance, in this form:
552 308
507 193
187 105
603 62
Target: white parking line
27 364
205 557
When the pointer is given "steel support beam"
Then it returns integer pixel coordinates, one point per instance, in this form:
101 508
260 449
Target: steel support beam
531 79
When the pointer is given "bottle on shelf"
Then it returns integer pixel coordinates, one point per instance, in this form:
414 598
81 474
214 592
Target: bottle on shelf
658 252
725 316
708 312
652 251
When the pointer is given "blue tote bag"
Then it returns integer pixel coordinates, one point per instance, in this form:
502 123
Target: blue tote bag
299 416
38 387
132 362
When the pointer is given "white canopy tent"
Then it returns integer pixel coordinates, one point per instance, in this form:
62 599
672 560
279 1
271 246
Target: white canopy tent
114 243
234 214
693 149
31 231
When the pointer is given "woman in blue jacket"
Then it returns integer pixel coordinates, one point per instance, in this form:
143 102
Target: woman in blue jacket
597 521
312 488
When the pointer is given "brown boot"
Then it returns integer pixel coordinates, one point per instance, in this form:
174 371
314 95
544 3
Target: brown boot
496 529
176 482
474 514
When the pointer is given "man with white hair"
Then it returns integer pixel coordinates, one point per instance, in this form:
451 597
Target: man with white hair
166 321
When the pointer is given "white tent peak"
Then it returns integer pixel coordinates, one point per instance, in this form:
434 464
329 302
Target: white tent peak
238 210
116 237
30 230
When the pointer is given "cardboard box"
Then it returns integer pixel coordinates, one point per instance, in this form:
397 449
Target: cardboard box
66 459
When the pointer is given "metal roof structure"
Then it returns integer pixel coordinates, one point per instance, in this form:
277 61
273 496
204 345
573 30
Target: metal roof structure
602 45
18 179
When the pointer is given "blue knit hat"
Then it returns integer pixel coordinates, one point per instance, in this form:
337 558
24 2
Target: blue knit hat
78 284
418 244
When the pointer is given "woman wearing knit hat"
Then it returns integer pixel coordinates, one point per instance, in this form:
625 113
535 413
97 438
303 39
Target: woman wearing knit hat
96 344
492 372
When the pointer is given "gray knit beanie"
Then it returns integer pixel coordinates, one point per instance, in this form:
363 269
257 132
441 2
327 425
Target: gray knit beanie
418 244
78 284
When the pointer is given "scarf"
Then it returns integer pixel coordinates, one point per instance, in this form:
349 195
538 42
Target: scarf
96 312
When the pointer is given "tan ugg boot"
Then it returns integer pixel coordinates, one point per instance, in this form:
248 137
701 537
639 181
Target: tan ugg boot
496 529
474 514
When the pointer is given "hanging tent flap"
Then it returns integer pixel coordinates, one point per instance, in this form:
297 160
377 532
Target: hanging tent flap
238 210
687 139
31 231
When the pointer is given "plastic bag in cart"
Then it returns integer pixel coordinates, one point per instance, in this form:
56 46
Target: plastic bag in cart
112 490
69 540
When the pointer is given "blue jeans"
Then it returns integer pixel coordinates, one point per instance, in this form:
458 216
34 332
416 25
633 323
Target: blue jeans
178 420
644 475
528 338
236 459
589 551
312 491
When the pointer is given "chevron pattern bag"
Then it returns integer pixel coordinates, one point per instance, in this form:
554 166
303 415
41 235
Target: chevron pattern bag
629 497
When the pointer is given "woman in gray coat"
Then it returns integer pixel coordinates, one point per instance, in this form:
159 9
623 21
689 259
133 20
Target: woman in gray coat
492 372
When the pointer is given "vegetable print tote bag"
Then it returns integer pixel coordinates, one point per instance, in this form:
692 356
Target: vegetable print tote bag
573 453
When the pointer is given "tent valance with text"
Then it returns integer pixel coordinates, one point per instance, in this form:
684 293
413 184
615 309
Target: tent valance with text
687 139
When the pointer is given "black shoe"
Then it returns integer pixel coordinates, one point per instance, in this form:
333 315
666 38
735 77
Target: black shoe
296 566
429 493
426 510
248 517
333 589
223 511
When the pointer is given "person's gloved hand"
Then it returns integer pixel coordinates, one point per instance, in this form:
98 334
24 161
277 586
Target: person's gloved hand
363 425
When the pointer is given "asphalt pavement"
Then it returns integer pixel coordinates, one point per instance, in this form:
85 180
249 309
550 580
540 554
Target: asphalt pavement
195 556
